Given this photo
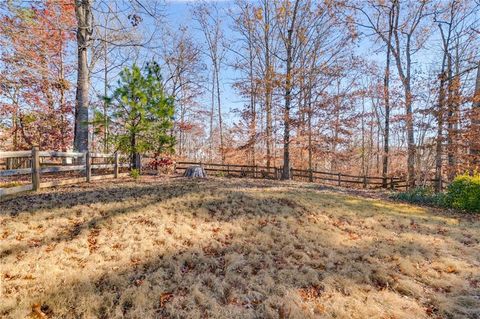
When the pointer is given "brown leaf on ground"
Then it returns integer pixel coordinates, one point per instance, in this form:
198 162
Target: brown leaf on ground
92 240
164 298
451 270
37 311
310 293
135 261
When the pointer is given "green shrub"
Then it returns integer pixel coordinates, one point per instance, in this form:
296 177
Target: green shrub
135 173
464 193
421 195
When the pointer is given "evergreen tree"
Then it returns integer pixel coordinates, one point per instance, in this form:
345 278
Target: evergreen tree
142 114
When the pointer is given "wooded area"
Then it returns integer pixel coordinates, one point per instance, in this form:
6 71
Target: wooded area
251 159
361 87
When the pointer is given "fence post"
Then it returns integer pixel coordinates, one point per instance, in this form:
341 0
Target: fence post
35 168
310 177
392 183
291 173
228 169
88 166
339 179
364 181
255 173
115 165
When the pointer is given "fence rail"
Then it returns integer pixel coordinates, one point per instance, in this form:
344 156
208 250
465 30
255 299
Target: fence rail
332 178
82 163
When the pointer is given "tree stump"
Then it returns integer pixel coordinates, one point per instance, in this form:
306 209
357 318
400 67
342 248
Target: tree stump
195 171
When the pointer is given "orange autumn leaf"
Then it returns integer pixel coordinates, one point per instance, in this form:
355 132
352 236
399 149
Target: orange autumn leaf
164 298
37 311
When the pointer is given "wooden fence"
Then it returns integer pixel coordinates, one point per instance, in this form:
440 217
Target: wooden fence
338 179
33 165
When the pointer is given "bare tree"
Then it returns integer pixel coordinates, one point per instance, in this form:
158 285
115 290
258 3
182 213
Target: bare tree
386 95
207 16
409 35
183 80
287 33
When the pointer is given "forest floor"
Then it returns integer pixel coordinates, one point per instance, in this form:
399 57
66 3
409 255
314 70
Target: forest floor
232 248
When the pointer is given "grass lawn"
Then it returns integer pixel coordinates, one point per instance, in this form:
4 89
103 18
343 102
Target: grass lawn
231 248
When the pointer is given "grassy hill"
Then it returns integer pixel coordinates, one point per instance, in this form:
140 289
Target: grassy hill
230 248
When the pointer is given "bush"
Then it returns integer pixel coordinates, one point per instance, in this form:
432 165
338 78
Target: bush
464 193
135 173
163 165
421 195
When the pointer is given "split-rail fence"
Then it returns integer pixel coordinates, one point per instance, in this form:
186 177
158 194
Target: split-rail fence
337 179
38 165
38 170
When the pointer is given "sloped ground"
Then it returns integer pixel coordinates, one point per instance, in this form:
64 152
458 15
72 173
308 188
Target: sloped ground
232 249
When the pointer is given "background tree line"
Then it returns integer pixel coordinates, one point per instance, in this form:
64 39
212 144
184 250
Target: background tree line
365 86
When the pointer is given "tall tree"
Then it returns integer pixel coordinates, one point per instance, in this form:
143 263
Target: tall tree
83 11
386 95
184 77
409 35
207 16
289 27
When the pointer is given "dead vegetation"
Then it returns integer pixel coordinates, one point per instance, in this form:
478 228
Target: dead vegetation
224 248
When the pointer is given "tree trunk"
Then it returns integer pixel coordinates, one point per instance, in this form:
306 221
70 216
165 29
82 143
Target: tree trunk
212 112
83 10
309 123
133 148
288 96
220 123
410 124
386 96
253 115
441 106
410 139
105 92
450 123
439 141
286 115
363 136
268 84
475 130
63 113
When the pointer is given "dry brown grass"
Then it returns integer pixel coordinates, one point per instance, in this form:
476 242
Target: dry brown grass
232 249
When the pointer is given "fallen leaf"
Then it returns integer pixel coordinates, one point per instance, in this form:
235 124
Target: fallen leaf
37 311
135 261
164 298
29 277
451 269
